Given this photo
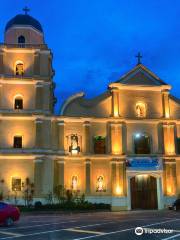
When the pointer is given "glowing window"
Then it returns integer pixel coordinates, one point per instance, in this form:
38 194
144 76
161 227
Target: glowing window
18 103
16 184
19 69
140 109
17 142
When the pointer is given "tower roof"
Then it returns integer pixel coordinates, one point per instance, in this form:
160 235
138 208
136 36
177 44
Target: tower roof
24 20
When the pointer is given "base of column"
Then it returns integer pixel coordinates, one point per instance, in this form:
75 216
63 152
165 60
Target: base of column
119 203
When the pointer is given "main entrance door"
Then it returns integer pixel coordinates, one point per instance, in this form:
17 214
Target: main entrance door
143 192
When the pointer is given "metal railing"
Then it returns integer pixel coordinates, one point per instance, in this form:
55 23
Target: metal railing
24 45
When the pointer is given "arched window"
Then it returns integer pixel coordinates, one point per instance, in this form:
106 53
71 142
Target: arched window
140 109
21 40
19 68
18 102
142 144
99 145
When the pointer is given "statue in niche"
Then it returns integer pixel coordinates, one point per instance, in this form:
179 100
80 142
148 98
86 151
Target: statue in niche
19 69
74 182
74 148
100 184
140 110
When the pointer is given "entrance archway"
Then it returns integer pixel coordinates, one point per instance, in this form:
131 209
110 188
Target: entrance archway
143 192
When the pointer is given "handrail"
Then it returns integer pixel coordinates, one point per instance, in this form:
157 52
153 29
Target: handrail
24 45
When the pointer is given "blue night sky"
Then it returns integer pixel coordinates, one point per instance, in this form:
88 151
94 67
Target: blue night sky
94 42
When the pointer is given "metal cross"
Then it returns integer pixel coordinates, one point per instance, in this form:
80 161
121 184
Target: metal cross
26 10
139 56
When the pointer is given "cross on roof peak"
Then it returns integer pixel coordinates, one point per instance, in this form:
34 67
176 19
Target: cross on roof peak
139 56
26 10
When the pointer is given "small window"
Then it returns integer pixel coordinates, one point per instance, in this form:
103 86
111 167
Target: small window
17 141
18 103
178 145
16 184
142 144
99 145
19 71
21 39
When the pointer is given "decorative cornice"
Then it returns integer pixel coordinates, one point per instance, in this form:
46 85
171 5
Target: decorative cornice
38 161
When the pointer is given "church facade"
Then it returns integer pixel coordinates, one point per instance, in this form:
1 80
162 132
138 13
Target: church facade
121 148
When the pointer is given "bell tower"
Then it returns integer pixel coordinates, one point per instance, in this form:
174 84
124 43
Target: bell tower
26 72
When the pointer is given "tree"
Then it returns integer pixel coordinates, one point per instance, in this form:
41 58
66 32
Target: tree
28 191
59 192
2 189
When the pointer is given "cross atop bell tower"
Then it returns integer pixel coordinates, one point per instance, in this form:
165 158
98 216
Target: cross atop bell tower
26 10
139 56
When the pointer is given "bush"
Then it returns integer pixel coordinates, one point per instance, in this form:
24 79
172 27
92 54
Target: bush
67 206
38 205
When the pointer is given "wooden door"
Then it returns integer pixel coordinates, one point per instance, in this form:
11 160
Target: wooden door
143 192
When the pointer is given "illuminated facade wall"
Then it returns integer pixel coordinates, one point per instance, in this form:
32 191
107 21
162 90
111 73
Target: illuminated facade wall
63 149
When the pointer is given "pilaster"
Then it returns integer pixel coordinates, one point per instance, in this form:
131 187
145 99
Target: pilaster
61 135
39 96
38 133
38 177
88 176
166 107
86 137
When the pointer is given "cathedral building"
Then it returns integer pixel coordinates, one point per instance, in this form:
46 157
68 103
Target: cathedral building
121 148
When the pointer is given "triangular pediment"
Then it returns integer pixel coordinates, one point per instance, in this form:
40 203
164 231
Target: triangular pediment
140 75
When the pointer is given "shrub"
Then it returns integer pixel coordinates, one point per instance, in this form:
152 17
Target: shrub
38 205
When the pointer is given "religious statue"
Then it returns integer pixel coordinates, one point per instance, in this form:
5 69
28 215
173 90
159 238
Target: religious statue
74 148
140 110
100 184
74 182
19 69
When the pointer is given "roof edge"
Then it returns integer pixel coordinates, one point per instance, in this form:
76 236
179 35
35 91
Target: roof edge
69 100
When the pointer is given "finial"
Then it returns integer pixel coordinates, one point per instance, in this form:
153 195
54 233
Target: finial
139 56
26 10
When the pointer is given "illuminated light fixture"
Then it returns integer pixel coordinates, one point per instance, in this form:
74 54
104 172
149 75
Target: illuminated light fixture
116 113
142 176
118 190
167 114
137 135
169 190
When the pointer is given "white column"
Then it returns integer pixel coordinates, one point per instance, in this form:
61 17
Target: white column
61 172
38 175
129 193
159 193
48 175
